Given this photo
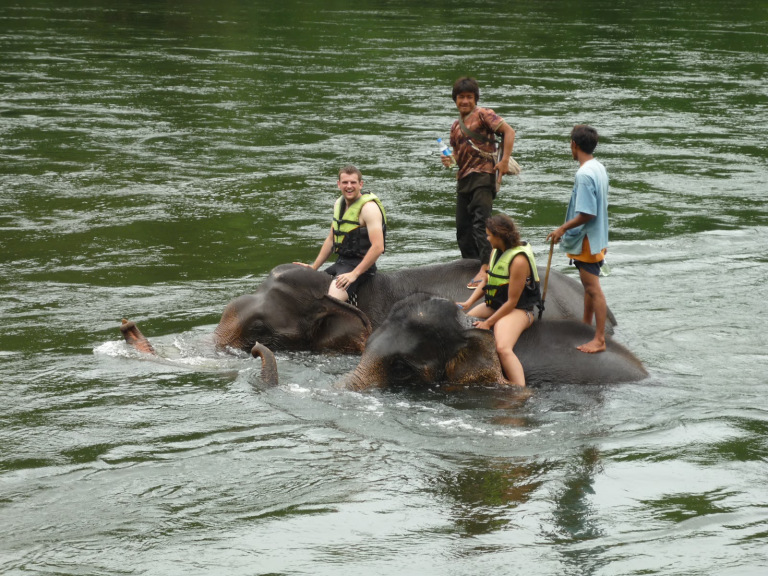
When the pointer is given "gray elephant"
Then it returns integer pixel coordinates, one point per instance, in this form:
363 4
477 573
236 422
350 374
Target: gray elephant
291 309
427 339
269 377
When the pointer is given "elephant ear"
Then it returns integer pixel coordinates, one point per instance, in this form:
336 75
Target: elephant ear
340 327
477 361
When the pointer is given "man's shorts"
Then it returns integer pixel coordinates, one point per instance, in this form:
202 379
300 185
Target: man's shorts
591 267
341 267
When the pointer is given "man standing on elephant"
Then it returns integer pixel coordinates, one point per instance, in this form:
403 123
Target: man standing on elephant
585 231
357 235
473 139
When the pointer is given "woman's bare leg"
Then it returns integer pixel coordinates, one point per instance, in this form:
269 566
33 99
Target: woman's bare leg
481 311
507 331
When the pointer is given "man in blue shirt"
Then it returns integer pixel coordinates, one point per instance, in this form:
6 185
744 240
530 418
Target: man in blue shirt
585 232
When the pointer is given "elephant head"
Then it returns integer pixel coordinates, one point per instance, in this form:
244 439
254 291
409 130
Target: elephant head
291 310
426 339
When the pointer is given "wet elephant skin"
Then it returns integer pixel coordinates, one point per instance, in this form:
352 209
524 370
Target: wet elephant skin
426 340
291 310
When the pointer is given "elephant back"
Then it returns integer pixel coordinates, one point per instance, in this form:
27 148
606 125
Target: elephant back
548 353
565 294
446 280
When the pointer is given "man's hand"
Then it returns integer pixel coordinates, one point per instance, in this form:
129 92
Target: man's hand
502 166
344 281
578 220
555 235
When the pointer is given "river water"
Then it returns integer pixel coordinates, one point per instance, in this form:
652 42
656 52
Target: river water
159 158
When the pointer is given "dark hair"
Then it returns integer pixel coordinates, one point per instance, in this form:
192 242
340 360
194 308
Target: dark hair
585 137
466 84
349 169
502 226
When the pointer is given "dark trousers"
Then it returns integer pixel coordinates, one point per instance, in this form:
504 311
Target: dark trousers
473 208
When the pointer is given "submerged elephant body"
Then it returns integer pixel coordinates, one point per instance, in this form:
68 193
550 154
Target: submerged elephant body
427 339
410 331
292 311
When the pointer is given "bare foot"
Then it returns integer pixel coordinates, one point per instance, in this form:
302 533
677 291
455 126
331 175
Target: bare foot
592 347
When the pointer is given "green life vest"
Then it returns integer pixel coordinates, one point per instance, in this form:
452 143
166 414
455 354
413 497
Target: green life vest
497 288
349 239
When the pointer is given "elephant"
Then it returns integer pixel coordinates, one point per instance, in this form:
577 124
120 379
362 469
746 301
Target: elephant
291 309
269 377
427 339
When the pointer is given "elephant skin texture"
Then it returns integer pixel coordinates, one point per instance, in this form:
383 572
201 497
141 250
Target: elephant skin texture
268 376
427 340
291 309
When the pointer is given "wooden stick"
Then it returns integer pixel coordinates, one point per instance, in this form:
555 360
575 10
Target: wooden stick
546 276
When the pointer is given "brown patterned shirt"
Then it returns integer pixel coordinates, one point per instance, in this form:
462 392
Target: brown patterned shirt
483 121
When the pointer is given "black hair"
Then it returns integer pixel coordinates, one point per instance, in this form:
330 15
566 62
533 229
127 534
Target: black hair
466 84
585 137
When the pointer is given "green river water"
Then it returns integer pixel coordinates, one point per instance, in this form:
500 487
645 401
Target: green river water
159 158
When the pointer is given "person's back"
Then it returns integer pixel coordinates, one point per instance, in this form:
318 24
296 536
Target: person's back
590 196
584 234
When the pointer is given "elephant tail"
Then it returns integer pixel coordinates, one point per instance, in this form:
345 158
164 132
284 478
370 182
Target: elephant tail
268 364
135 338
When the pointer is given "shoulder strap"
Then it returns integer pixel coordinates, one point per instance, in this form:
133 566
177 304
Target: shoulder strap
472 134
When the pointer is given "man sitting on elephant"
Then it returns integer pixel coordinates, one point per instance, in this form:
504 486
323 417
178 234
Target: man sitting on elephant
357 235
511 290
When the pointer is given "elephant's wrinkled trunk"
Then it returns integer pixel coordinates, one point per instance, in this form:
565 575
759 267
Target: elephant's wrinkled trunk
366 375
351 381
229 332
268 364
135 338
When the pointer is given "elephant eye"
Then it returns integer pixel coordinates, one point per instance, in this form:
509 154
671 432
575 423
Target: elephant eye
403 371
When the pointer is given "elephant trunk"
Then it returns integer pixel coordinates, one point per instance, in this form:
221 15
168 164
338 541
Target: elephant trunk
268 364
352 381
367 375
135 338
229 332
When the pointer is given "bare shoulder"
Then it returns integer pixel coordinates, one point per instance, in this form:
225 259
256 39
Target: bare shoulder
370 215
519 265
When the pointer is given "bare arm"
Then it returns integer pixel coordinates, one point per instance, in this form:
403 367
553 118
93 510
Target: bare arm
518 272
476 295
323 255
371 218
509 142
578 220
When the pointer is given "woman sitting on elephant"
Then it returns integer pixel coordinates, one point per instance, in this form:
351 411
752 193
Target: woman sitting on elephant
511 290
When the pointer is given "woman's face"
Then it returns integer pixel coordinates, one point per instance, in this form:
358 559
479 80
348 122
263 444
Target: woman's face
494 240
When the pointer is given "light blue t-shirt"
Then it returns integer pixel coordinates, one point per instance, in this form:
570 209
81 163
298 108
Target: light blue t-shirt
589 196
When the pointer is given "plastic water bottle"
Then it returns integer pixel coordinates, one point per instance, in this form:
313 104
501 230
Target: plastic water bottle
446 151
